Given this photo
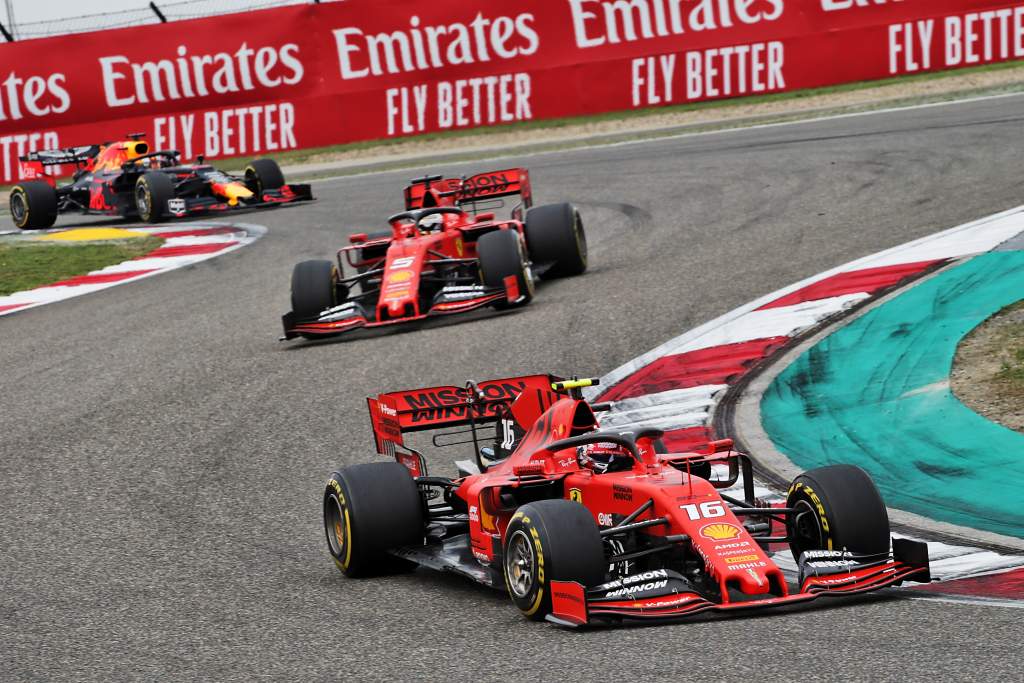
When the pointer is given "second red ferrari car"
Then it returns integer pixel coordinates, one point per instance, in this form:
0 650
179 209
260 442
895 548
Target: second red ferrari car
447 252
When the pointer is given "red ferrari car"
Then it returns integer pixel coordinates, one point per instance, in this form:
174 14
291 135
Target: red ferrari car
446 253
582 525
128 179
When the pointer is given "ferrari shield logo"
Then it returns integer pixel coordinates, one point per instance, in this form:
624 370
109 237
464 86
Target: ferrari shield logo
576 495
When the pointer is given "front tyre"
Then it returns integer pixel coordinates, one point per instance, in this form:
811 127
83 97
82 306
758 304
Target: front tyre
837 507
502 255
152 192
33 205
550 540
263 174
368 510
555 235
314 288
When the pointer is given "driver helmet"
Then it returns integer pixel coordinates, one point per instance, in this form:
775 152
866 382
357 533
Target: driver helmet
431 223
604 457
135 149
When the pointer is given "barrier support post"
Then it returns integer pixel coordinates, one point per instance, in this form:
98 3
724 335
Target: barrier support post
158 13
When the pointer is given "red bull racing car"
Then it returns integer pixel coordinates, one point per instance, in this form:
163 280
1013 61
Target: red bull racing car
127 179
448 252
584 525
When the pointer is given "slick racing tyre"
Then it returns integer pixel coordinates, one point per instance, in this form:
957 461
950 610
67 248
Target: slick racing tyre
368 509
314 288
555 235
33 205
502 255
837 507
263 174
550 540
152 192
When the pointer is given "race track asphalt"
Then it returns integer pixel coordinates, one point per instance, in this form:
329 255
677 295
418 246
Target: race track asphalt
162 456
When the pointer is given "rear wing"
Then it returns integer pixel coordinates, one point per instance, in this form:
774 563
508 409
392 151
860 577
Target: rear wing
57 157
400 412
489 185
32 166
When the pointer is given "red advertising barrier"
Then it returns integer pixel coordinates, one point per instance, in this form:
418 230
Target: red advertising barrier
256 83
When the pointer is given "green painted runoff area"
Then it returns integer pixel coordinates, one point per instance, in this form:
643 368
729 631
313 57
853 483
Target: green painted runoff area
875 393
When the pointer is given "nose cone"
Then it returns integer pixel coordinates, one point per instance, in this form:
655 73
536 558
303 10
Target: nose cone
753 580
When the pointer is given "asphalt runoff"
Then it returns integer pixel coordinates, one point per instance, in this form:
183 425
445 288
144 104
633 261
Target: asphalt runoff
162 456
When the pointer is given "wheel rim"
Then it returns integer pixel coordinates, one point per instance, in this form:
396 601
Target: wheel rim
581 240
807 531
520 565
142 199
18 207
337 538
527 270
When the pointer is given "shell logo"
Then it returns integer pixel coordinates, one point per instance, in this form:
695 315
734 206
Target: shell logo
720 531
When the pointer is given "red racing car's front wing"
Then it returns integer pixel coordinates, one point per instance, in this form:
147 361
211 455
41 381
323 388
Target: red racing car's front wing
330 328
571 605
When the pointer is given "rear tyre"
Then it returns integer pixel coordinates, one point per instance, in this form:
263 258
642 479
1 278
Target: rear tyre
369 509
263 174
550 540
313 288
502 255
33 205
837 507
152 192
555 234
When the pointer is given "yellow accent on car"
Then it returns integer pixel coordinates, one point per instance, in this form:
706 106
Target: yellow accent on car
568 384
235 191
348 533
18 189
540 572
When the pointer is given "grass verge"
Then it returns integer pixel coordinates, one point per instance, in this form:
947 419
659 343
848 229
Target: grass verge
988 372
1010 338
27 265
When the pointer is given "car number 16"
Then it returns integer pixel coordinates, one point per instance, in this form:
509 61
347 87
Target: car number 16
707 510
